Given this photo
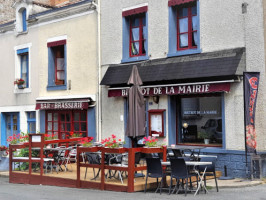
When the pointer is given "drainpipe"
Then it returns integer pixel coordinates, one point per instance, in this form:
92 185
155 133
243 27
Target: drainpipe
99 104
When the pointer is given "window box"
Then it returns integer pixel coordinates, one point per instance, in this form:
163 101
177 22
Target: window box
21 86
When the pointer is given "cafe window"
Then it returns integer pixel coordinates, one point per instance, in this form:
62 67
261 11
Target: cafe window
201 120
156 123
63 123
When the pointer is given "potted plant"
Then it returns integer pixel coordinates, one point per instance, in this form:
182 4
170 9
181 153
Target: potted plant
205 136
150 141
3 150
20 83
86 142
112 142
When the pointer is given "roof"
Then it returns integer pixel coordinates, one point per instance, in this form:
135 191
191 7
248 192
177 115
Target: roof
213 66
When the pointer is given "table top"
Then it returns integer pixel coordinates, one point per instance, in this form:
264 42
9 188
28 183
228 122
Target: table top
186 147
192 163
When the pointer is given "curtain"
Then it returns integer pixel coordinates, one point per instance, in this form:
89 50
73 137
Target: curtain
195 27
183 27
24 68
135 45
60 68
145 37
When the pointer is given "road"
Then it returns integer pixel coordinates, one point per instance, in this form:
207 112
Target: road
39 192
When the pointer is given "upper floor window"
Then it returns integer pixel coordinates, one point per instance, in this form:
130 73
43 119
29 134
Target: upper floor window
21 18
183 27
137 46
23 59
187 25
135 40
57 65
24 22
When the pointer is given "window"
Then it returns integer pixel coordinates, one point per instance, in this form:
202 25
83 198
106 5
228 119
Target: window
201 119
31 121
135 40
57 65
61 123
156 123
137 46
24 22
23 57
183 27
187 28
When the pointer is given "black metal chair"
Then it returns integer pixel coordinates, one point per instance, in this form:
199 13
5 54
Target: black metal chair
177 153
93 158
154 170
178 171
210 170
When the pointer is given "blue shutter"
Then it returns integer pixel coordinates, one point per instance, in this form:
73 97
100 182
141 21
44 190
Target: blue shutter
51 67
24 22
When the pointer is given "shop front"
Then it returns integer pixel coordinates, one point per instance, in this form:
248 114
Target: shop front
60 117
190 100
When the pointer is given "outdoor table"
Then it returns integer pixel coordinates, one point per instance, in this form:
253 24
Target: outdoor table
199 156
192 149
194 164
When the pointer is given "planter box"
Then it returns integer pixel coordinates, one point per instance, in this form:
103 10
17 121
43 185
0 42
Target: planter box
21 86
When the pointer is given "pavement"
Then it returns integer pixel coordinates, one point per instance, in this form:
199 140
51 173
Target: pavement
233 183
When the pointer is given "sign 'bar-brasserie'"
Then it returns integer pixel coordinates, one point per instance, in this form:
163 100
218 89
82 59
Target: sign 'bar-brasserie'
174 90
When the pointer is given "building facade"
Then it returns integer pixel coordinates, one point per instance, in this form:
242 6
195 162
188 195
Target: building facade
191 56
53 48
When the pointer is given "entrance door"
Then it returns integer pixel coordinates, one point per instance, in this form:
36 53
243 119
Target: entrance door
65 124
11 121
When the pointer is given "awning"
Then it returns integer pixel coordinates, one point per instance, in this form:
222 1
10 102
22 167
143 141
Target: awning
64 103
178 89
204 67
178 2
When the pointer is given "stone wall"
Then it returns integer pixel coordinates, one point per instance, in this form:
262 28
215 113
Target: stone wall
7 13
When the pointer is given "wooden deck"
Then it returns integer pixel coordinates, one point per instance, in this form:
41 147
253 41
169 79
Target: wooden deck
71 174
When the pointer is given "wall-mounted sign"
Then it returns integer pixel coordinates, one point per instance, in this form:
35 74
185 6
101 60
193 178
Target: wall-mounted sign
174 90
61 105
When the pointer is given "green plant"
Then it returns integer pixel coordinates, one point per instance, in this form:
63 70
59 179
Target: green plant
25 153
150 141
203 135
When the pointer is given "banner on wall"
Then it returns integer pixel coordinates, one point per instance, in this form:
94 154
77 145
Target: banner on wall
251 85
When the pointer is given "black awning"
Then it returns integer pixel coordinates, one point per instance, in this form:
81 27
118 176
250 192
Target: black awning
213 66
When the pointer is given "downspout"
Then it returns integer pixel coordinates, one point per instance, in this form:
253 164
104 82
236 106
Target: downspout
99 104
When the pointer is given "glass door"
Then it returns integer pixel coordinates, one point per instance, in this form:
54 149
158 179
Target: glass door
65 124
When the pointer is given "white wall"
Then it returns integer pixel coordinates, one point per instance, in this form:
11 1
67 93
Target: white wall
222 26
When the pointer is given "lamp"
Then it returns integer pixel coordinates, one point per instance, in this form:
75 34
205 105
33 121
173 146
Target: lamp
156 99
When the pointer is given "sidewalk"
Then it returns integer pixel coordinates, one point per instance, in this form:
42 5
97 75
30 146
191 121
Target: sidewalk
234 183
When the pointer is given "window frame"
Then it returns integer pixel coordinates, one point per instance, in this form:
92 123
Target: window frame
173 30
189 31
30 121
59 122
52 65
19 51
126 35
24 19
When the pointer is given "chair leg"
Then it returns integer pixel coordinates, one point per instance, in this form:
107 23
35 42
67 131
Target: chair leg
216 182
161 184
146 183
171 182
186 186
205 183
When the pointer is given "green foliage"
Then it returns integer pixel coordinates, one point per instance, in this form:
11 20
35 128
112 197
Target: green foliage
25 153
203 135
